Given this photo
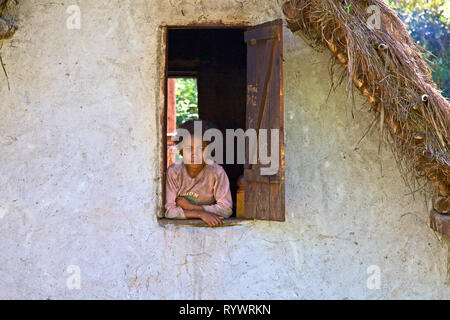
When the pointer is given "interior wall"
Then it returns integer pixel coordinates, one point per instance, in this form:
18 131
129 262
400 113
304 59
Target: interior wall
80 174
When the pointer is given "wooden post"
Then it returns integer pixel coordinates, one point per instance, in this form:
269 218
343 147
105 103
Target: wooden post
240 198
171 119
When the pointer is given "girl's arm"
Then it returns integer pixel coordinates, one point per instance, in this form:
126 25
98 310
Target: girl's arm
192 211
210 219
222 195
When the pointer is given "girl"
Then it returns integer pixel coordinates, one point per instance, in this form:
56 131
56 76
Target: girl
197 190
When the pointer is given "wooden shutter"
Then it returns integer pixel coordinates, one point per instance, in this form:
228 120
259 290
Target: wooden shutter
264 195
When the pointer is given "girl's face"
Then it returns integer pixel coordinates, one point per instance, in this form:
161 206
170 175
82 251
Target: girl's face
192 152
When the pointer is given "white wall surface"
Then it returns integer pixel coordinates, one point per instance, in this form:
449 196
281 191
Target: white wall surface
80 177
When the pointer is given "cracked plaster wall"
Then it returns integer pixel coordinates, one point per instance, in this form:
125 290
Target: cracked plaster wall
79 174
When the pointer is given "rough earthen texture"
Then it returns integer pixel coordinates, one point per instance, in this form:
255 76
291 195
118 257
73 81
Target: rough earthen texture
79 174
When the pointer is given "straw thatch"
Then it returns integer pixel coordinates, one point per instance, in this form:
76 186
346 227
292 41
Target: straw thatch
7 28
386 65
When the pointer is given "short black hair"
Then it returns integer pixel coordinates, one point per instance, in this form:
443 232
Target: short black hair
189 126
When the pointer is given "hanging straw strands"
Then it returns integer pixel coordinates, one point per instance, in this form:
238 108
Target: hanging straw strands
7 28
387 67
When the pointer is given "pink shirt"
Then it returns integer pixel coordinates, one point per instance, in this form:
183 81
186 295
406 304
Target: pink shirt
209 189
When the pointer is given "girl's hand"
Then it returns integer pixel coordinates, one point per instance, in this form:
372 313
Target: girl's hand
184 204
211 219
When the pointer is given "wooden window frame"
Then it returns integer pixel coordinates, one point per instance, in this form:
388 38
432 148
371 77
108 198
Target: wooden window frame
163 125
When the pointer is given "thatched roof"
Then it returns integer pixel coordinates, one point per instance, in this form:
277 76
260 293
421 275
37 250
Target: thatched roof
7 28
387 66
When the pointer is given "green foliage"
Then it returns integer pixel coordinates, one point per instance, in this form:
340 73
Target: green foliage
412 5
428 24
186 99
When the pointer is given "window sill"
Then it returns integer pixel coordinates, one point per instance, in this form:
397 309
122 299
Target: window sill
199 223
440 223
